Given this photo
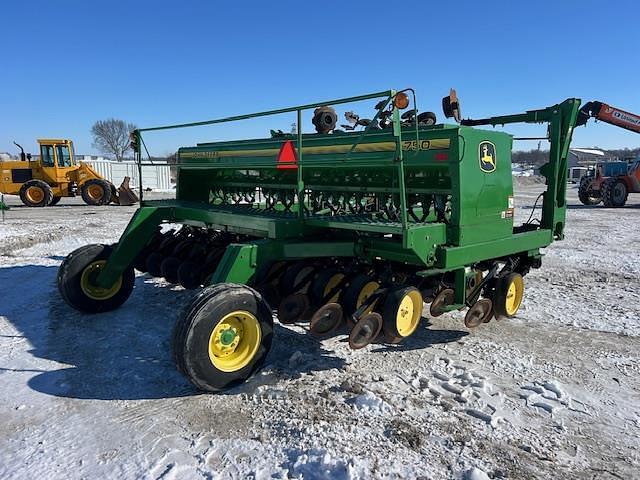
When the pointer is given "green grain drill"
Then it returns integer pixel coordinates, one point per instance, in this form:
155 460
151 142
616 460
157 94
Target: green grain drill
348 230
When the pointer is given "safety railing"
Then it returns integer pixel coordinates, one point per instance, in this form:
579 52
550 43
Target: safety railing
388 95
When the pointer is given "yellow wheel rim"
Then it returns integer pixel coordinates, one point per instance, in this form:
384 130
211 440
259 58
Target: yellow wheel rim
331 284
368 290
88 286
409 313
234 341
35 194
515 292
95 192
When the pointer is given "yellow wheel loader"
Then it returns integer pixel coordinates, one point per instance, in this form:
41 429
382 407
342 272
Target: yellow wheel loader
55 174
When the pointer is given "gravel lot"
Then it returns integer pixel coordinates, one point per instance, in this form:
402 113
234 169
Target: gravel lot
553 393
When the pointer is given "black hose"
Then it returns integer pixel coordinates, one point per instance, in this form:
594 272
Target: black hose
535 204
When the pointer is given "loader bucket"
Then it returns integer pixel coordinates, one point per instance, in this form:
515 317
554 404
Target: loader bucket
125 195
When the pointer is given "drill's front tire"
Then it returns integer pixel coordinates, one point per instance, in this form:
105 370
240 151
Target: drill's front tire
76 281
223 337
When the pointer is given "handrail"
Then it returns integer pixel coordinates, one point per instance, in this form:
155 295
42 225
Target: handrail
386 93
298 109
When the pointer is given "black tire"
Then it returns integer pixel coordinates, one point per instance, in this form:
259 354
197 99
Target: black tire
190 274
501 294
194 329
294 274
54 201
267 279
183 247
154 264
74 288
96 192
36 193
351 295
169 269
427 118
614 192
318 287
586 194
392 305
140 263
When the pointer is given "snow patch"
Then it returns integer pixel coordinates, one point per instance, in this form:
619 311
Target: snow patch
369 402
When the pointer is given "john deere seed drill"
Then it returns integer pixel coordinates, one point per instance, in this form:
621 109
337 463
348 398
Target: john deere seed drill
347 229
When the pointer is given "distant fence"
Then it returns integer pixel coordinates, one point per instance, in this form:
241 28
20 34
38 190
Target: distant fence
156 177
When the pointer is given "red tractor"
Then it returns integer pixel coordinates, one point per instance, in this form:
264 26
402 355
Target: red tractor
611 182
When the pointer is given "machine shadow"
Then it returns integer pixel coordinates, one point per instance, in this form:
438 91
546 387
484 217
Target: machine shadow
119 355
293 354
423 338
600 207
125 354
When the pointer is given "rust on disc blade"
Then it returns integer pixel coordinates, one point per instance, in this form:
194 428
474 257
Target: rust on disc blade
479 313
365 331
327 319
445 298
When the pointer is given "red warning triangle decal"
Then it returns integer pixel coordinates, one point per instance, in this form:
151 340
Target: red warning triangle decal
287 158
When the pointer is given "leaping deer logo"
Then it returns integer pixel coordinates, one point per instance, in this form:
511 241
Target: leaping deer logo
487 157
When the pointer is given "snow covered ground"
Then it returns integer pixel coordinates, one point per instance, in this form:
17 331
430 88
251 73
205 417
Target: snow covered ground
554 393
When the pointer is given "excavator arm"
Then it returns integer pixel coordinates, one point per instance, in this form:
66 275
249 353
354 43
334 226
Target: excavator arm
607 113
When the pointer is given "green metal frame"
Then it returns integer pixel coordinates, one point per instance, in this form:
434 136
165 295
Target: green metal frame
432 246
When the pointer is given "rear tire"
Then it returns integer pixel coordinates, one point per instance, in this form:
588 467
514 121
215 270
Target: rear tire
614 192
223 337
586 194
36 193
96 192
77 274
54 201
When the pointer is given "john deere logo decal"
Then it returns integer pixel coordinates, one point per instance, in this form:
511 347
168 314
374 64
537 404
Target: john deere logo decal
487 156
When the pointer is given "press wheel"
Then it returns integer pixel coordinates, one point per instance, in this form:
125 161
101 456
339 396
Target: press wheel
357 293
402 312
508 295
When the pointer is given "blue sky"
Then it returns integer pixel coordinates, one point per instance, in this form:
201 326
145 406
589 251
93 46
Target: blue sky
66 64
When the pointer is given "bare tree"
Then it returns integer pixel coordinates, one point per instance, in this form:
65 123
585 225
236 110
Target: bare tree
112 136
